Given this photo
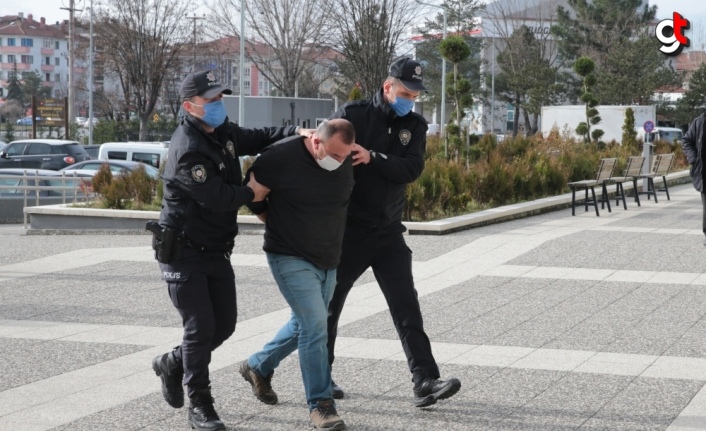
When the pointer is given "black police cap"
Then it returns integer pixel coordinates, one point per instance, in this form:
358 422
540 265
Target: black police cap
202 84
409 72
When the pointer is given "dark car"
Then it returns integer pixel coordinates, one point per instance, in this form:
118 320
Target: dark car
92 150
51 154
117 167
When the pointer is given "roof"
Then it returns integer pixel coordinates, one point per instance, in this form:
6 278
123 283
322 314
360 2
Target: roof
15 25
47 141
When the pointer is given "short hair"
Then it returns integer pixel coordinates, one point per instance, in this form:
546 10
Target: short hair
336 126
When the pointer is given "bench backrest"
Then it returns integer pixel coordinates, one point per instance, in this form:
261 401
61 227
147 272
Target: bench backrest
634 166
663 164
605 169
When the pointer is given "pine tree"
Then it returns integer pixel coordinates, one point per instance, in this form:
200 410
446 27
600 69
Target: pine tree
14 87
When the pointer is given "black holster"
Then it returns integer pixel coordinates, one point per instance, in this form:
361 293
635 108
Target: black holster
165 242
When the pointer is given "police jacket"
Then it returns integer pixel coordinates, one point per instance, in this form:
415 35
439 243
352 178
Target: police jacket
202 180
692 145
399 143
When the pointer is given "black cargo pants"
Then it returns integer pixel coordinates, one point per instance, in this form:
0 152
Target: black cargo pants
391 260
201 286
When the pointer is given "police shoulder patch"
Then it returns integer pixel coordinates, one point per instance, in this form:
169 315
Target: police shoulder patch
405 136
198 173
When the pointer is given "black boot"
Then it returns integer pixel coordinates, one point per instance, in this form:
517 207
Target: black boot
202 415
170 370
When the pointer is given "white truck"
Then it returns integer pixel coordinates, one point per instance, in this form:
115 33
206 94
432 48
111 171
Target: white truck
612 120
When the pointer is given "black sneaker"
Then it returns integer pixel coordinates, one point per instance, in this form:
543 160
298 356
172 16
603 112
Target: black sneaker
171 372
432 390
324 416
202 415
337 391
261 386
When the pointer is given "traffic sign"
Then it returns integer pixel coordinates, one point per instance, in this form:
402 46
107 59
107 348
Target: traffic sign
649 126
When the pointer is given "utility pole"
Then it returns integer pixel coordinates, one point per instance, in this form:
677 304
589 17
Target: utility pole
70 113
193 60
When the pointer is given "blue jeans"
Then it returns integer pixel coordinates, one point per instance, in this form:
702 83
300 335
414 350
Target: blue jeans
308 290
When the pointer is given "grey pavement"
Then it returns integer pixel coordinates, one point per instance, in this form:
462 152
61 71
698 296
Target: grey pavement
552 322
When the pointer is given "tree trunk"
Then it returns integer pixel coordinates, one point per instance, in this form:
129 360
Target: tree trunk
516 119
528 126
143 128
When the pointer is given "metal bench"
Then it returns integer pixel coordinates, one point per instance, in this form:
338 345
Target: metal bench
631 172
605 171
660 168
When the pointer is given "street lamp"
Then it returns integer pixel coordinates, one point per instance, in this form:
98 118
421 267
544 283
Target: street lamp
241 86
442 120
90 79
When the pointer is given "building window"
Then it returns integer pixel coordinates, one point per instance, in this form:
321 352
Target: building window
11 58
246 84
27 59
2 92
10 41
27 41
0 58
247 72
47 43
57 77
48 77
2 75
56 61
56 45
47 61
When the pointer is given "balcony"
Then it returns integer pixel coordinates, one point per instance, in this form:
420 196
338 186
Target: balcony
20 66
47 51
15 49
47 68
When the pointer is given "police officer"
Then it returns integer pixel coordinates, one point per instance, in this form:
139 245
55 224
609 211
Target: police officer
388 154
202 194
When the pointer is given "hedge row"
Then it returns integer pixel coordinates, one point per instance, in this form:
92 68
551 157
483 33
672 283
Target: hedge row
515 170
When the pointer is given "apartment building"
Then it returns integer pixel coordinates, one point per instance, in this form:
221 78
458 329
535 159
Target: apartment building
35 46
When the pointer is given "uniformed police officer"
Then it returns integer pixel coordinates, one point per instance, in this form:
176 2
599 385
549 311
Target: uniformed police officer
202 194
388 154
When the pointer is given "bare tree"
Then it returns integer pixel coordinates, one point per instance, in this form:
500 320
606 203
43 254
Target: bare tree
369 35
529 57
286 35
141 40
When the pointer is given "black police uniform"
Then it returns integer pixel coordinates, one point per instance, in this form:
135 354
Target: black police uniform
202 194
374 228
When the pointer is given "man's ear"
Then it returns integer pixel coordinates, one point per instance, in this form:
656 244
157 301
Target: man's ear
183 105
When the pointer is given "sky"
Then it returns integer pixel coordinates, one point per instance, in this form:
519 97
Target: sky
51 9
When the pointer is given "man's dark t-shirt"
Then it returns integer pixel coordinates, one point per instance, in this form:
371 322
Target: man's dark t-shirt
307 205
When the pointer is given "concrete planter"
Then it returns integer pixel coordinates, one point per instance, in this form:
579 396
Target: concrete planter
64 219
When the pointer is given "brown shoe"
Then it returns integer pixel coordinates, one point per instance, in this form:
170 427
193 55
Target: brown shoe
261 386
325 416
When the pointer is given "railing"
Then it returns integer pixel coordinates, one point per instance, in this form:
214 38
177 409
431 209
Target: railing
26 187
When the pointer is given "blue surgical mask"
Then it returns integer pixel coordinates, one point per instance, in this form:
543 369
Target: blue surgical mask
214 113
402 106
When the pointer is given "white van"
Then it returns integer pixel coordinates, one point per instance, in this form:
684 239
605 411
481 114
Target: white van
151 153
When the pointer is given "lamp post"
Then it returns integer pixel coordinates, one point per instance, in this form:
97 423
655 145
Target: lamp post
241 98
90 79
442 120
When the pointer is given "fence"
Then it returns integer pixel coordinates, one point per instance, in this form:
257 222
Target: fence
47 190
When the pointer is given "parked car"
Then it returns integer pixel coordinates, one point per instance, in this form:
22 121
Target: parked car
27 121
12 177
3 144
92 150
117 167
51 154
80 121
151 153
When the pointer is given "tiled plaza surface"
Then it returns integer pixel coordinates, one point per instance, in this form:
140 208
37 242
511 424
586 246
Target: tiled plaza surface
552 322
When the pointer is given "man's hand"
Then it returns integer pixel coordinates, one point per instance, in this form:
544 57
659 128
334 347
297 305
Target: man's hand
360 155
257 188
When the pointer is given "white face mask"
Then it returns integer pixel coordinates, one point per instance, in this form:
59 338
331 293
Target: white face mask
329 163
